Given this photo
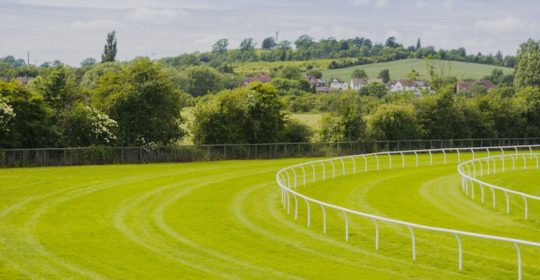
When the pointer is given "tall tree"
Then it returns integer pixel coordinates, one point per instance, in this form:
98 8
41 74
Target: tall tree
141 98
384 75
527 71
418 44
393 122
269 43
247 44
110 50
221 46
359 74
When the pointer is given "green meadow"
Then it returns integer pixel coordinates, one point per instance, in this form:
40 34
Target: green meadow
225 220
400 68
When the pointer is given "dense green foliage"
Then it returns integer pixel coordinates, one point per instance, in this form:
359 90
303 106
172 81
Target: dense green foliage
140 102
441 115
111 104
144 102
528 65
253 114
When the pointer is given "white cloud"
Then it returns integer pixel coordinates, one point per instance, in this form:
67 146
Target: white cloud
121 4
448 4
507 25
147 14
421 4
95 24
376 3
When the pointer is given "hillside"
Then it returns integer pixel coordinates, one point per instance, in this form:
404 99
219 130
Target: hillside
399 69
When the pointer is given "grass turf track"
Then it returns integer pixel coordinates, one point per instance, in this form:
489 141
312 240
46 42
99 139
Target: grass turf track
223 220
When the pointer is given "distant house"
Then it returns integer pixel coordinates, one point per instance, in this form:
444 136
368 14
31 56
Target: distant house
337 85
358 84
406 85
262 77
464 86
24 80
319 85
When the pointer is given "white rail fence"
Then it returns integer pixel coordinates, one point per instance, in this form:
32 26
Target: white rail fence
471 170
291 177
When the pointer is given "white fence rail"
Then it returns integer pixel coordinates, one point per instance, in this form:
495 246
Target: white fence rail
291 177
471 170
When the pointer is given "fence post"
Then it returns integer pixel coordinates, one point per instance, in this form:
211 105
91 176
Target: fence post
376 233
413 243
460 253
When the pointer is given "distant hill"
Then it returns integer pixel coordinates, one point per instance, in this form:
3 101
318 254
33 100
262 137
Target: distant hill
400 68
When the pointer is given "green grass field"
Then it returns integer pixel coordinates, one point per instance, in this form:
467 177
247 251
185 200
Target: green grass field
224 220
399 69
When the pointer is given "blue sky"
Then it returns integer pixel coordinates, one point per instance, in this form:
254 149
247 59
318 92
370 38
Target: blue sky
72 30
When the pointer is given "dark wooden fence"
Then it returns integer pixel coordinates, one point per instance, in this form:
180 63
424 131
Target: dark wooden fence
134 155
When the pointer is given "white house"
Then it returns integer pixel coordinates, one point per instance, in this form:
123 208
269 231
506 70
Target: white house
406 85
358 84
338 85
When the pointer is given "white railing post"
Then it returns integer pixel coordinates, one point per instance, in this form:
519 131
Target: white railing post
413 241
460 253
458 156
324 218
520 276
473 155
430 158
402 160
444 153
333 169
482 193
346 226
308 212
507 203
377 159
365 164
376 233
416 156
389 161
494 198
288 204
526 206
344 172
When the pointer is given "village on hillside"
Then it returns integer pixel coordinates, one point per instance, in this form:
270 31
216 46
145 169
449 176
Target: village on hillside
320 85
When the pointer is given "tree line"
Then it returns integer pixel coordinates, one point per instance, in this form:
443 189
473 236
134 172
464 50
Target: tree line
140 103
344 52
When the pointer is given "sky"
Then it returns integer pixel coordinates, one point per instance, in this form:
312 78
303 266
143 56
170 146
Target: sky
72 30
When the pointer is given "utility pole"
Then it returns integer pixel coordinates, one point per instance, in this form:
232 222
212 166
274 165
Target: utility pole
28 58
277 37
